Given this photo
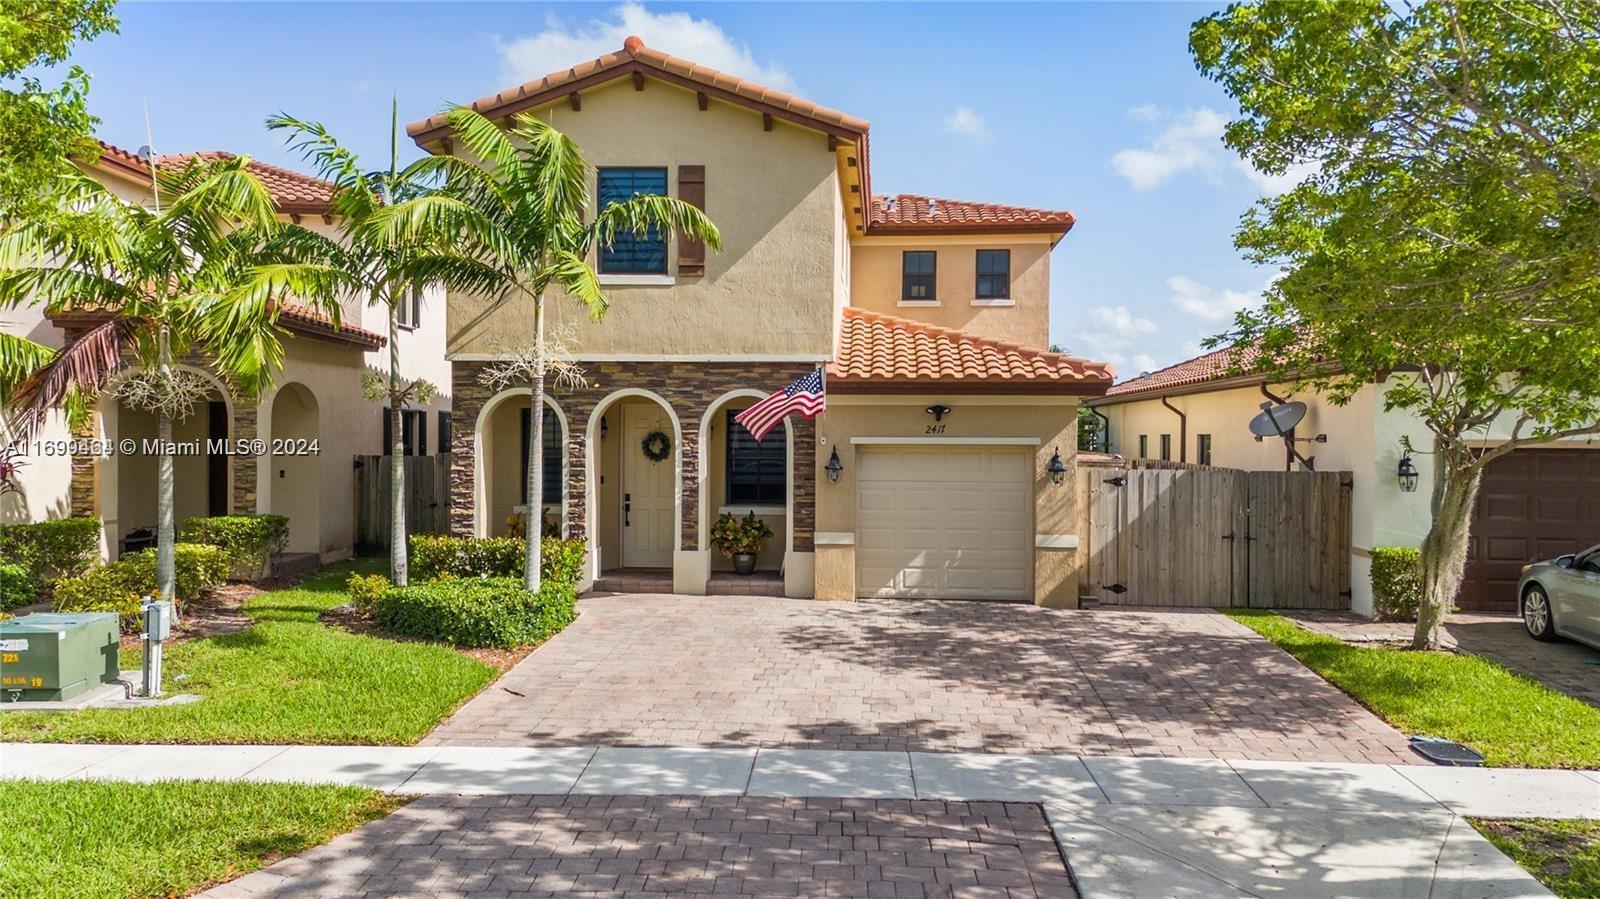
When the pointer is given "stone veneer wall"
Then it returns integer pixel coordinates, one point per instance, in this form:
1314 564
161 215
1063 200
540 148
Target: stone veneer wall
690 388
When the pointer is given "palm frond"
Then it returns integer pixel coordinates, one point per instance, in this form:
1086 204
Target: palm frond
61 290
638 216
482 137
83 368
20 359
573 274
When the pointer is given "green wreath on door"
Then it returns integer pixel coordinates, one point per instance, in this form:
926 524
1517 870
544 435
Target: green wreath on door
657 446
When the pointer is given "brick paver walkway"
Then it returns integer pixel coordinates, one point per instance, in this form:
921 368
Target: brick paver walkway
919 675
674 845
1562 666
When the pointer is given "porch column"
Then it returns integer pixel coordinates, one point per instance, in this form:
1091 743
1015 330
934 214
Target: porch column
691 562
467 396
242 468
799 558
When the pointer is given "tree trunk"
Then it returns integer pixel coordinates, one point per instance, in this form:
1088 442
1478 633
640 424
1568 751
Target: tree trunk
535 516
399 561
1444 549
166 529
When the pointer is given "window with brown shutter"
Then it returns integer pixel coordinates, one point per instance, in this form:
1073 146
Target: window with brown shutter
692 190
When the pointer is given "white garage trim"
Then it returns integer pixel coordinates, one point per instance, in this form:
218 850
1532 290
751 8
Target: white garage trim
945 441
1056 541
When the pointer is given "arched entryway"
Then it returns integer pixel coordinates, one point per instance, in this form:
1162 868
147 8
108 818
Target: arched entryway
635 490
502 465
739 474
128 481
295 466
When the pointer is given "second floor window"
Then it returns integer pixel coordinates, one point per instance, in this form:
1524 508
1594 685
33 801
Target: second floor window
917 275
994 274
757 469
1202 449
630 255
409 309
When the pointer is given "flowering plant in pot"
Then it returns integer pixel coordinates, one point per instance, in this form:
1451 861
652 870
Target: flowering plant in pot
740 538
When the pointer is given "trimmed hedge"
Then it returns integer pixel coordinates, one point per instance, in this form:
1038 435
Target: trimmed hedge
52 550
122 586
437 557
1396 582
485 612
250 540
364 590
16 587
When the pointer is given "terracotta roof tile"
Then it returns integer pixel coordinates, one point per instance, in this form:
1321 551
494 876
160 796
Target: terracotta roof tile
879 351
633 55
913 212
1213 366
292 192
308 320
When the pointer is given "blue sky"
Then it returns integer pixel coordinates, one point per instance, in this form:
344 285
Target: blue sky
1093 107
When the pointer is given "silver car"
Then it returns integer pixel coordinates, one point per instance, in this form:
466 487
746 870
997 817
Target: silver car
1561 597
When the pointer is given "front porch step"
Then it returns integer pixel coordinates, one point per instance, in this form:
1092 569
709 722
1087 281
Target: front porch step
659 580
761 583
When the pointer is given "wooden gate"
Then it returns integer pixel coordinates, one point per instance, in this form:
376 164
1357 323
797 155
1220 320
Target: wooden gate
1216 537
427 497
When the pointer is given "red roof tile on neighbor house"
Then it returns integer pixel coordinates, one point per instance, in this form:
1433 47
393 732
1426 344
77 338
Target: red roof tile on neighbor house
636 57
1213 366
292 192
912 212
305 319
878 351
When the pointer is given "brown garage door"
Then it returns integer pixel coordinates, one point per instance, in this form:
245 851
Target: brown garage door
1533 504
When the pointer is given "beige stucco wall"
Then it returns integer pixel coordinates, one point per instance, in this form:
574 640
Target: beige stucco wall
1052 422
774 196
876 285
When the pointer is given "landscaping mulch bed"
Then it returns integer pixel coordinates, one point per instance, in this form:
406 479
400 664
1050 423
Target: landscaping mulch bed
347 618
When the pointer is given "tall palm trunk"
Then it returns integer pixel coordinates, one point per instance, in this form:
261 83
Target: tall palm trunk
166 529
1444 549
398 560
535 520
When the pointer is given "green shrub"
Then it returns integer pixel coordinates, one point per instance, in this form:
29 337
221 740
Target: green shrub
250 540
122 586
1396 582
16 587
495 612
436 557
364 590
52 550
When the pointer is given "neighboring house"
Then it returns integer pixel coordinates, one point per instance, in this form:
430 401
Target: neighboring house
317 396
1534 503
924 312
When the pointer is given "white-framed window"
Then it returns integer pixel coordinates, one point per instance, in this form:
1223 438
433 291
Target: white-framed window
409 309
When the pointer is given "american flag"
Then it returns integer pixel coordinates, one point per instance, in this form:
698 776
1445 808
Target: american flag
806 396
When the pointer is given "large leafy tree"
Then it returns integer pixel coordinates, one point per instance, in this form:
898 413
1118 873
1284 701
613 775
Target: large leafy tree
1450 236
203 266
528 189
43 126
388 272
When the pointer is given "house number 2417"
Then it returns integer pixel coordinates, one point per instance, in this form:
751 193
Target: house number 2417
934 429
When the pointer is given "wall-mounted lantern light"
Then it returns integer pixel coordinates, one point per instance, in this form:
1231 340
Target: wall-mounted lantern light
1407 474
1057 469
835 468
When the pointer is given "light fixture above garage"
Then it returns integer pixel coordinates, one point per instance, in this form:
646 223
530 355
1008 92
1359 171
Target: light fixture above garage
1057 469
834 468
937 411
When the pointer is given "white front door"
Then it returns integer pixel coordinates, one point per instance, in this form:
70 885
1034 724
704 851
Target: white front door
648 521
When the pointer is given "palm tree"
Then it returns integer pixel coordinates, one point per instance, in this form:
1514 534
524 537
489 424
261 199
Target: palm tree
386 272
528 191
207 269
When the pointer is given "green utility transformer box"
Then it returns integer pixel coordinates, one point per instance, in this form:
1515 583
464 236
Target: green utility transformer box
50 656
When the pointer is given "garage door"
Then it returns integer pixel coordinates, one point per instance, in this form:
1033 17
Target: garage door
1533 504
951 522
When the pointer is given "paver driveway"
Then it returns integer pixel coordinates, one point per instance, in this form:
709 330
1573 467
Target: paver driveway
919 675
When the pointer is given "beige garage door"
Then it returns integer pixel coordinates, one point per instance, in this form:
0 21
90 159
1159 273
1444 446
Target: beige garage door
951 522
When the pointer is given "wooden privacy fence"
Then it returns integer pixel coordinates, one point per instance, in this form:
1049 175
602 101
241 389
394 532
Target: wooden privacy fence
427 497
1215 537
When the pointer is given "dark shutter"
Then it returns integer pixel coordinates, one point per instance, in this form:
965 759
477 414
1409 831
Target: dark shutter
444 431
422 433
692 190
388 431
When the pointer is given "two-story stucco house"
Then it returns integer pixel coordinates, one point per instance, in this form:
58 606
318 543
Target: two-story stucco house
316 397
926 315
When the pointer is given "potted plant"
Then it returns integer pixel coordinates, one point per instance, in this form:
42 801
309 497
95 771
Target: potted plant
740 538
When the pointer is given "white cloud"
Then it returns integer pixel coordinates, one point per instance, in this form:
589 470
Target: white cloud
1117 335
1191 143
967 123
678 33
1208 303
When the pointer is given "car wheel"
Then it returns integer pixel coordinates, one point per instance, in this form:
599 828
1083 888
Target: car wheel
1536 614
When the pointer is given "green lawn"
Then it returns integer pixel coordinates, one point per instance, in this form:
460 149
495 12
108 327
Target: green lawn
288 679
86 838
1513 721
1564 855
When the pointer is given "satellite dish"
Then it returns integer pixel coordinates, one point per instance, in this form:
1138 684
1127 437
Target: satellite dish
1277 420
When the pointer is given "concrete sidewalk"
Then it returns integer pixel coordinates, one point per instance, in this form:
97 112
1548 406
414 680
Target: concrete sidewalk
1127 826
